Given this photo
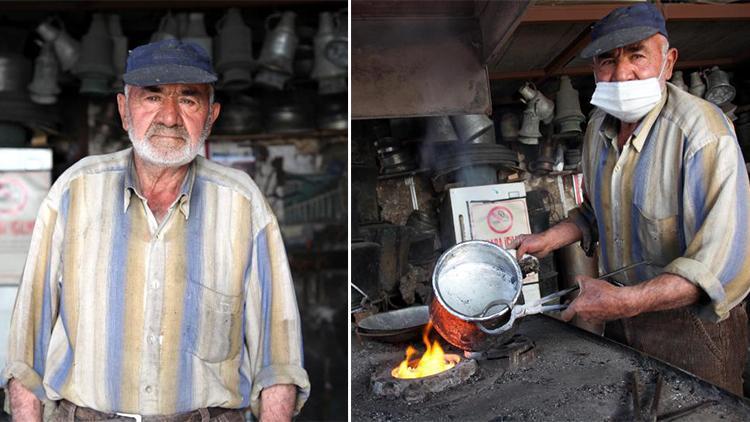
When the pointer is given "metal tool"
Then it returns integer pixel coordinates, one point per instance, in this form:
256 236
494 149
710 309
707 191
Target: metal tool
536 307
635 389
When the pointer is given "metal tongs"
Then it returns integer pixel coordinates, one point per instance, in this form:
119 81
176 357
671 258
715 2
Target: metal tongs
538 306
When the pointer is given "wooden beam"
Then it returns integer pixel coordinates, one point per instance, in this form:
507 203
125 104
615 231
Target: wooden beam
570 52
705 12
672 12
498 21
586 70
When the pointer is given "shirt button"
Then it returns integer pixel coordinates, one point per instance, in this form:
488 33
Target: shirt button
151 339
155 284
148 389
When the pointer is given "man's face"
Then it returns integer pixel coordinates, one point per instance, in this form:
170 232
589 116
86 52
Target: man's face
167 124
641 60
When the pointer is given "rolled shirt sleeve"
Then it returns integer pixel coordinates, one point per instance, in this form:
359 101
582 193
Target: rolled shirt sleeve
715 201
36 307
273 327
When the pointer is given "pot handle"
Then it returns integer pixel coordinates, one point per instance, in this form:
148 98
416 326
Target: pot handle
499 330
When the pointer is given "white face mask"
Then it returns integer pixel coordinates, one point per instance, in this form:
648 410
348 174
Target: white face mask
629 101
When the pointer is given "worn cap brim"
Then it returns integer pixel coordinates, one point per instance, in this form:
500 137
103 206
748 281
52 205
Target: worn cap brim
168 74
617 39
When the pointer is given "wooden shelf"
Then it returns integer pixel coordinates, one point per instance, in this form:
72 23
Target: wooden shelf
331 135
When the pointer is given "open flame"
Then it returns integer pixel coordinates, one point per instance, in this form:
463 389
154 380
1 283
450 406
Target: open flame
433 361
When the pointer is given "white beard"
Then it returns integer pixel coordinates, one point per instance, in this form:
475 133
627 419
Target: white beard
167 157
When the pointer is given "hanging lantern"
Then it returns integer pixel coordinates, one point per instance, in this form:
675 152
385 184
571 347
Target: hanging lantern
234 52
43 88
331 78
119 50
195 32
95 66
277 55
719 90
568 108
66 48
678 81
697 87
529 133
543 107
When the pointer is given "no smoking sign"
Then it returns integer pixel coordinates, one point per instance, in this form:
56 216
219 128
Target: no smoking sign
500 219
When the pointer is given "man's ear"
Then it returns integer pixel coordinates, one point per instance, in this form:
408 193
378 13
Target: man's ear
122 109
215 109
672 56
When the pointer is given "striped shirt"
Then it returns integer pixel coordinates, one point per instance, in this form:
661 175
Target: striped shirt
119 313
677 195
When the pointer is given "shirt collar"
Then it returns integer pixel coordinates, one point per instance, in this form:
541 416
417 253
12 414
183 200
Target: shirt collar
609 128
131 186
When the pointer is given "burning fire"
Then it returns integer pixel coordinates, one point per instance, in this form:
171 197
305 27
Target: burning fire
433 361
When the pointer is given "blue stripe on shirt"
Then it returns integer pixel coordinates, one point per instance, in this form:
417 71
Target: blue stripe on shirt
738 249
264 276
116 293
598 208
193 294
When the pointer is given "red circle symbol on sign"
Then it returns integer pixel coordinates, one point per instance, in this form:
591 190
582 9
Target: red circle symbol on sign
500 219
13 196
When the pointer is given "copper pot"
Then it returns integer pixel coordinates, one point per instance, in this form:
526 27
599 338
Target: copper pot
468 277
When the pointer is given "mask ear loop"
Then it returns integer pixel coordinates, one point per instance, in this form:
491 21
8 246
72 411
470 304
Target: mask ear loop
663 65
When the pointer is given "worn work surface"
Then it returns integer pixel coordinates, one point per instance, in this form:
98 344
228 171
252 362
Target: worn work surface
574 376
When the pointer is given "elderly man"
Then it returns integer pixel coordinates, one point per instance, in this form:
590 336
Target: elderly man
157 284
666 183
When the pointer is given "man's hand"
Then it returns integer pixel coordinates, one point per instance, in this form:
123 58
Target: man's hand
540 245
600 301
23 403
277 403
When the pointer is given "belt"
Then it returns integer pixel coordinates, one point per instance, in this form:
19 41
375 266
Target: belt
87 414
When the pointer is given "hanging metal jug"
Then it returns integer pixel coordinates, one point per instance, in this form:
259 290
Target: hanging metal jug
196 33
43 88
568 114
277 55
95 66
543 106
509 127
719 90
440 129
337 50
678 81
168 29
119 50
331 78
529 133
697 87
66 48
234 52
469 127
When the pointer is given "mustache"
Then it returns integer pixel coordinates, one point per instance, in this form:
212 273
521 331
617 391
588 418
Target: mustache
164 130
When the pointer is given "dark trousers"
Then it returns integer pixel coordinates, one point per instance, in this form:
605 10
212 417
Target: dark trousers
713 352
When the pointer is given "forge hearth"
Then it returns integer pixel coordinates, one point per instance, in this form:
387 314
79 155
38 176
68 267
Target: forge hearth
518 351
384 384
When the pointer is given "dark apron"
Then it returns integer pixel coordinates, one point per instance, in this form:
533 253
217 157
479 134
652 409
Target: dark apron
713 352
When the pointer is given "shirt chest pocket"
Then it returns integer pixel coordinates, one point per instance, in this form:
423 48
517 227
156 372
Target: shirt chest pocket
658 235
213 324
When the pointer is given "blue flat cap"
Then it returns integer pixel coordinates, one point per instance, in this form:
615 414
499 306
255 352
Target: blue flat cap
168 62
624 26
